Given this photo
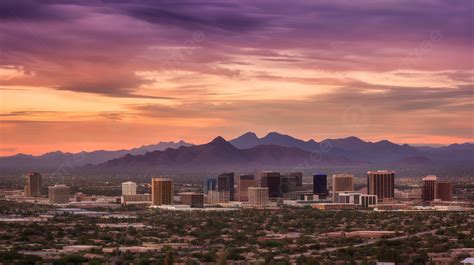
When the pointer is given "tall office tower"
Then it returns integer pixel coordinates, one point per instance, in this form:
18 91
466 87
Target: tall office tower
296 178
342 182
444 190
193 199
58 194
258 196
225 182
161 191
429 193
129 188
210 184
381 183
272 181
243 184
291 182
320 185
34 184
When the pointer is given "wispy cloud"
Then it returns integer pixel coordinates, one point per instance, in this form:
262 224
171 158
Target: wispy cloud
304 66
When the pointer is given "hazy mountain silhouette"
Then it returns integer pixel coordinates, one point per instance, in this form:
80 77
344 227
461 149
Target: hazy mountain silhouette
250 139
58 158
250 151
220 153
356 149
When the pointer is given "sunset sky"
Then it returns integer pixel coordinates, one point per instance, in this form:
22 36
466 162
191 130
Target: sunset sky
86 75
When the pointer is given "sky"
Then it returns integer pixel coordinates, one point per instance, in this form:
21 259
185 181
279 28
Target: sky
112 74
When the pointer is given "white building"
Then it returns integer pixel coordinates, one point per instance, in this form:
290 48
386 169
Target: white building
363 200
129 188
468 261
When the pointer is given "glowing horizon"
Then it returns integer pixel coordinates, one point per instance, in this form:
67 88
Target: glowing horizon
85 75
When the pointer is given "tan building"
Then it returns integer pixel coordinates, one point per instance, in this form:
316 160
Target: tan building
136 199
129 188
162 191
342 182
381 183
214 196
444 190
258 196
333 206
193 199
58 194
244 182
34 184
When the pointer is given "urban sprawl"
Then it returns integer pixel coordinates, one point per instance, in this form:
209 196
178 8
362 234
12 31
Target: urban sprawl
264 218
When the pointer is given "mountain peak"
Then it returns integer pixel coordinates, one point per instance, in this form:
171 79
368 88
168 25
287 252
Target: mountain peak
353 139
270 134
246 140
218 140
248 135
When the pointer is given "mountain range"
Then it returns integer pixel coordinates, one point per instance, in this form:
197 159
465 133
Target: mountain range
250 151
220 154
58 158
352 148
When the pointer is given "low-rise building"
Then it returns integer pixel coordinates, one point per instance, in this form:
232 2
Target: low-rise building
214 197
333 206
136 199
358 199
58 194
193 199
258 196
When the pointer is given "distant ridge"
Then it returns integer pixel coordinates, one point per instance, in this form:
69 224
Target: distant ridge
220 153
356 149
248 150
58 158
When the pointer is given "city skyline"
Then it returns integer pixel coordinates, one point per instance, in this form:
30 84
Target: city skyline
88 75
236 132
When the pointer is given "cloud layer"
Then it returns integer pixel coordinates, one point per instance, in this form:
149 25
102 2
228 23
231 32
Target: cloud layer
401 70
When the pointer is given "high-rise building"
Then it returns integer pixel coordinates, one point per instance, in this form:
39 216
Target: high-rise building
193 199
34 184
243 184
292 181
429 192
342 182
58 194
258 196
129 188
162 191
320 185
225 182
381 183
210 184
272 181
445 190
